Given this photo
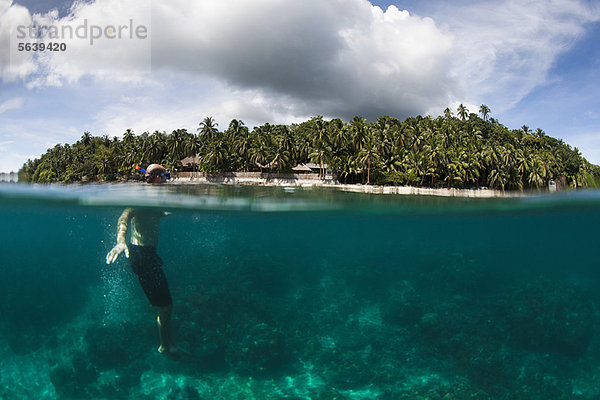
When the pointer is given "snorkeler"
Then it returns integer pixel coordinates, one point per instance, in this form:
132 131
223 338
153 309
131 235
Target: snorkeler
145 262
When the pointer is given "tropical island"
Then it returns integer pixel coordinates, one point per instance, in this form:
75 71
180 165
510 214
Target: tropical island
465 150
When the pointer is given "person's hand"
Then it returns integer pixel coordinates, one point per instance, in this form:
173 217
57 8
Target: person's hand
116 251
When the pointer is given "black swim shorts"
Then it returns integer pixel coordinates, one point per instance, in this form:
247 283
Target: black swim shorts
146 264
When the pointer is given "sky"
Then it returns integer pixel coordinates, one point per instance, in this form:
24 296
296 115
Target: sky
156 65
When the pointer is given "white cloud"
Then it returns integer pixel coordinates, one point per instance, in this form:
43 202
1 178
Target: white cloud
28 138
142 111
280 61
11 161
504 49
14 64
328 57
11 104
108 39
3 145
471 108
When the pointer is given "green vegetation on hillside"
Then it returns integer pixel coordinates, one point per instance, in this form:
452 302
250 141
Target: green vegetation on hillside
446 151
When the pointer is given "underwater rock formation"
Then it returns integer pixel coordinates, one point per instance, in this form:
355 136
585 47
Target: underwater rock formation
71 378
262 351
549 316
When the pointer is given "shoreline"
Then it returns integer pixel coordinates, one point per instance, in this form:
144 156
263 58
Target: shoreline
329 182
312 180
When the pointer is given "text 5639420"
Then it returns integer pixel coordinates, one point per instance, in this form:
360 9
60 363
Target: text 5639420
41 46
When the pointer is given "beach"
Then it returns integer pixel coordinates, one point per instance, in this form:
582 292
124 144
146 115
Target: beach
310 180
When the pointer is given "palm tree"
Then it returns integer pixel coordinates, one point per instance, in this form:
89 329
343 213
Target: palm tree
320 141
235 126
318 157
484 111
540 132
384 130
208 128
128 137
216 156
523 165
537 175
192 147
262 145
285 137
130 158
359 132
346 165
498 178
368 153
471 165
176 142
241 141
86 138
462 112
303 148
414 127
154 147
447 113
280 158
336 131
258 154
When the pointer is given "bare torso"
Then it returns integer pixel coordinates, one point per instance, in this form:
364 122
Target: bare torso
144 228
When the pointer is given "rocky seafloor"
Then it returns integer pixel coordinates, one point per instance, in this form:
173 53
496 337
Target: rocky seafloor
451 330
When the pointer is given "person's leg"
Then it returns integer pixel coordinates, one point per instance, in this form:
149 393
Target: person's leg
164 328
146 264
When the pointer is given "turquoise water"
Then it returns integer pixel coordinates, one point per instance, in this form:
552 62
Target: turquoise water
289 293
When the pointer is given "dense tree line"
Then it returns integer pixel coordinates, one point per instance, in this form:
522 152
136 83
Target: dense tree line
460 151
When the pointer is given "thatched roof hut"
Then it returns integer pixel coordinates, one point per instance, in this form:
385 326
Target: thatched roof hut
300 168
190 162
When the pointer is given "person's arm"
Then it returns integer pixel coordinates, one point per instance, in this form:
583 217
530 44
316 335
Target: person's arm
121 246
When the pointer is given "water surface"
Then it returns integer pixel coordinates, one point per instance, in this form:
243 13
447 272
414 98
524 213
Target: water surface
301 293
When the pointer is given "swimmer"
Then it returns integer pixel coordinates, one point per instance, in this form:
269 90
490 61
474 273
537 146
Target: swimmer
144 260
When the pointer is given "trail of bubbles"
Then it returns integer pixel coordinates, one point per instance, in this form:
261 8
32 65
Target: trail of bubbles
117 294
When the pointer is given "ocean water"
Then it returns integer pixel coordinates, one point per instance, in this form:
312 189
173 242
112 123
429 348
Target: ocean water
290 293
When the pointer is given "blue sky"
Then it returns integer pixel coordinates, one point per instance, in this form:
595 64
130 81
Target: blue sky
534 63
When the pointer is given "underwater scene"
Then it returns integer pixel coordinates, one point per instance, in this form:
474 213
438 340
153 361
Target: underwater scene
301 293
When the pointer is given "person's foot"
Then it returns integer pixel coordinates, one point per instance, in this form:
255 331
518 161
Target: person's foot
173 352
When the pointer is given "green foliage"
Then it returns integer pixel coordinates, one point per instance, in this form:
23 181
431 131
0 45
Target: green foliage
396 178
460 151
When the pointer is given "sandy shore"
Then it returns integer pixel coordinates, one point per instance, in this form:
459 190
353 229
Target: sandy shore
444 192
305 181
